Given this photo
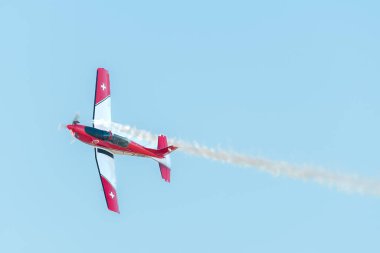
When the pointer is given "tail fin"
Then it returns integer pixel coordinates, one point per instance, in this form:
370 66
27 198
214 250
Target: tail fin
165 162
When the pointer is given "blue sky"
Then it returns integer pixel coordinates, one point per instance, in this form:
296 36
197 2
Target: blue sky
294 81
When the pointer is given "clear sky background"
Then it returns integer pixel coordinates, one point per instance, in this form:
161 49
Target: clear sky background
294 81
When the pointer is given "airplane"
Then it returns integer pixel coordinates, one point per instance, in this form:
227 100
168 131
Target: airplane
108 144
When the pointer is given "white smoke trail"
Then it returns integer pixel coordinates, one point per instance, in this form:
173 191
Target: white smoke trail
340 181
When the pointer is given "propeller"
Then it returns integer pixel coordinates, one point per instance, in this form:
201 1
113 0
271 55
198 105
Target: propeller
74 122
76 119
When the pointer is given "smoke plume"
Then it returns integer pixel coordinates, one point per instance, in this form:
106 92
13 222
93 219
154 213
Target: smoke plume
340 181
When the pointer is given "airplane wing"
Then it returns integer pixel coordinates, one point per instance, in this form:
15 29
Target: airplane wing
104 159
106 168
102 103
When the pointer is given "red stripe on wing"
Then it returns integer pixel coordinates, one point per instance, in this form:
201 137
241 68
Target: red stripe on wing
110 194
103 88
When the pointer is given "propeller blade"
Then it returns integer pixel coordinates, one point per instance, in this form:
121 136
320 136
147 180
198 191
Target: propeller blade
76 118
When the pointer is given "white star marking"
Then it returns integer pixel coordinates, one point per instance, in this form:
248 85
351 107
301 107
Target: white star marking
112 195
103 86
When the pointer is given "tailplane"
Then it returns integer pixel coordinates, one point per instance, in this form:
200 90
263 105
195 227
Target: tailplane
164 163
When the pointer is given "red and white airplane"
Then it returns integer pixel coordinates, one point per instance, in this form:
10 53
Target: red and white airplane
107 144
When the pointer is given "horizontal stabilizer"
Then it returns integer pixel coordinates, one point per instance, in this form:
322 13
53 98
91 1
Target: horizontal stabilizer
163 151
166 151
164 163
165 172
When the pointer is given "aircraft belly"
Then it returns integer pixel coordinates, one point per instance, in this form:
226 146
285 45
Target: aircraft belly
123 152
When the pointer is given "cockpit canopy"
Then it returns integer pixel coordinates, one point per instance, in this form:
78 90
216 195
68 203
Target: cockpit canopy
98 134
119 140
107 136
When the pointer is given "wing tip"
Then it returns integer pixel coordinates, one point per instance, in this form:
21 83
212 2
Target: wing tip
114 210
102 69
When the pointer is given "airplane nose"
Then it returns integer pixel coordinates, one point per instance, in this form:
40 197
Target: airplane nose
70 127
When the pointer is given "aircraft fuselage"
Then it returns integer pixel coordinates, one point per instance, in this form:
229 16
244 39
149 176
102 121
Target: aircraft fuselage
114 143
